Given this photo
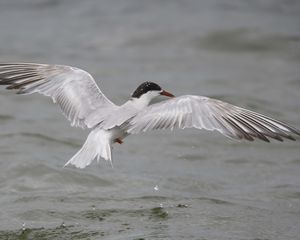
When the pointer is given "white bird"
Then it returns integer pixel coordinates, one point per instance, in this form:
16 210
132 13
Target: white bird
83 103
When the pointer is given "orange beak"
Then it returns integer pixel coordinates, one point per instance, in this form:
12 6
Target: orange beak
165 93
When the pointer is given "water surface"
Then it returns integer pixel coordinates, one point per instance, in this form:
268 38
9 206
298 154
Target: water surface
181 185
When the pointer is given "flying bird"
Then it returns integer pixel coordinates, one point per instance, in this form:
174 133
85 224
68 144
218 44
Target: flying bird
85 106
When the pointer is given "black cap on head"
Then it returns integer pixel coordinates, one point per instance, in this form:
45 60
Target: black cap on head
145 87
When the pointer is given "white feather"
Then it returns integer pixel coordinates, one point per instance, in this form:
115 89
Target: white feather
209 114
83 103
73 89
98 144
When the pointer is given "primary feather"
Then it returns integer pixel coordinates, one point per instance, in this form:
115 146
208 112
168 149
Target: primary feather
73 89
209 114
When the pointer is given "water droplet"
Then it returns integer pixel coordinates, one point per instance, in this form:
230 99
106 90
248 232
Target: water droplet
156 188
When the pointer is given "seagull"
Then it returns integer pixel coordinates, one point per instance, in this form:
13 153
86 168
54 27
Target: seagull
85 106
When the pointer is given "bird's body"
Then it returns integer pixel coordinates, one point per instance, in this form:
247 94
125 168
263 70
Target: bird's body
83 103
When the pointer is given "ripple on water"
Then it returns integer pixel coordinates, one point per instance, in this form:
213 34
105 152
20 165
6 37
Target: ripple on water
25 178
238 161
5 118
60 232
247 40
156 213
295 161
42 137
216 201
193 157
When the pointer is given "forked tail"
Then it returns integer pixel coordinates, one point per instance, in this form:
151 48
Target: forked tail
96 145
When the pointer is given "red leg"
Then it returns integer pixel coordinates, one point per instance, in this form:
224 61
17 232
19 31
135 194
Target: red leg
118 140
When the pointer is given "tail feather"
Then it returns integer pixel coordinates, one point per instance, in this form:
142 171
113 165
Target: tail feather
96 145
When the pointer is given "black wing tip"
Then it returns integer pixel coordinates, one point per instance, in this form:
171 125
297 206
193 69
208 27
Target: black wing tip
290 138
10 87
281 138
277 138
265 139
295 131
249 136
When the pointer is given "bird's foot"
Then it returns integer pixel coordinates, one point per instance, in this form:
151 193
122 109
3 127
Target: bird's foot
118 140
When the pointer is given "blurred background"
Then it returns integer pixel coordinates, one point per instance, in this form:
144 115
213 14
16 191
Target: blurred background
181 185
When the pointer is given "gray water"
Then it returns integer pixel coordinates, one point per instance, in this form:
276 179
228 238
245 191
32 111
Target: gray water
187 184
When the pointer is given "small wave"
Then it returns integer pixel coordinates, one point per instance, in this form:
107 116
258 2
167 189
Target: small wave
192 157
6 118
41 137
60 232
29 5
34 177
247 40
216 201
295 82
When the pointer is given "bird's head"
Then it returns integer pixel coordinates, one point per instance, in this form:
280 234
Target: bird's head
149 91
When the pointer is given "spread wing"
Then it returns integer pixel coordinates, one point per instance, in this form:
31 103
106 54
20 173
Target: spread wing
73 89
210 114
